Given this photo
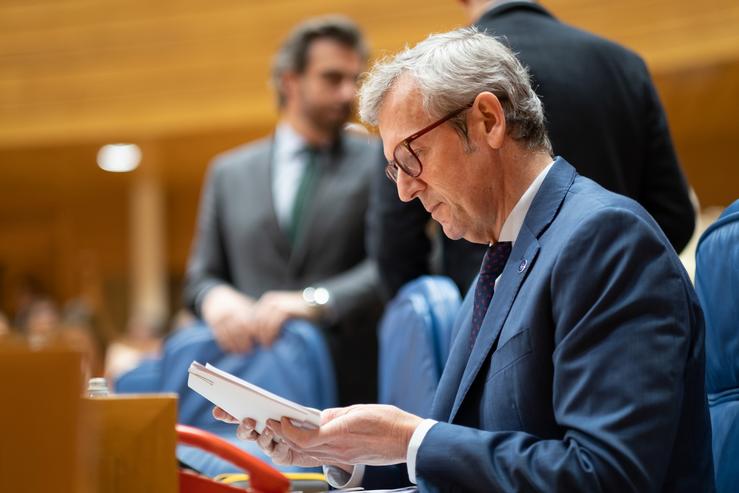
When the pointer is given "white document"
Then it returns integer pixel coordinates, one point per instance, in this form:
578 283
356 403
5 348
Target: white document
242 399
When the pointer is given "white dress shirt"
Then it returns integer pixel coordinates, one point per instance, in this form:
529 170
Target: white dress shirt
511 227
288 165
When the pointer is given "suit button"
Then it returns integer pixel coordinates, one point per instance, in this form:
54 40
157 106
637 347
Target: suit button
522 266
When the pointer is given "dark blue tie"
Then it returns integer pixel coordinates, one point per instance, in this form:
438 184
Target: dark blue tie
492 265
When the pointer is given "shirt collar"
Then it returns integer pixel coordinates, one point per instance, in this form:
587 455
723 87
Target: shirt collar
288 141
514 221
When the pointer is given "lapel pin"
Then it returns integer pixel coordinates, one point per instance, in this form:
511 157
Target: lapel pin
522 265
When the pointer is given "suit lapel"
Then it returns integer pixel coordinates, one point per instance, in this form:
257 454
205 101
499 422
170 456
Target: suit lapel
524 253
263 194
455 364
542 212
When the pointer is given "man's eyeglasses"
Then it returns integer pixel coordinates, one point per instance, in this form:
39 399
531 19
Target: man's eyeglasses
405 158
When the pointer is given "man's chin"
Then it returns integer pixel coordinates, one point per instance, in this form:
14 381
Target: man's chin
334 119
451 232
332 126
331 120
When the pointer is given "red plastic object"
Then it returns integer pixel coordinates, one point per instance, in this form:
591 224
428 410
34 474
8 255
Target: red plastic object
262 477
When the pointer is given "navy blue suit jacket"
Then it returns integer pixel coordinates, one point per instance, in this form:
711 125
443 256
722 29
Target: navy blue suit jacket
588 372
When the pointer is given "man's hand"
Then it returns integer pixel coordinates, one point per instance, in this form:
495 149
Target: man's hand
280 452
275 307
230 315
238 322
372 434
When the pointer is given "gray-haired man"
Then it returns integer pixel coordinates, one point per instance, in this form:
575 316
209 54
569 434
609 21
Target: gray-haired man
578 362
603 115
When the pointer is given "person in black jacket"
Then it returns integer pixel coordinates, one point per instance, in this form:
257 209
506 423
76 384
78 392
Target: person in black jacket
603 115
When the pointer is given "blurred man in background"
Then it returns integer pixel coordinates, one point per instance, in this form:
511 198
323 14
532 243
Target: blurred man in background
603 115
281 224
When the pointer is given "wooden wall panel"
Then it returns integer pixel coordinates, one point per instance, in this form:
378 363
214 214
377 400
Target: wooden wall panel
75 70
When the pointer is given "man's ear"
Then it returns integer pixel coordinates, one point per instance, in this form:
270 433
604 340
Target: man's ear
289 81
488 109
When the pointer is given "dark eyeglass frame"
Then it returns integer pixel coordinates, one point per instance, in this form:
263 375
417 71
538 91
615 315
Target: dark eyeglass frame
392 167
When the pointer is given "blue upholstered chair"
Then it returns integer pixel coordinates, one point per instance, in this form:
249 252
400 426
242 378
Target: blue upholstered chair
415 335
717 284
297 366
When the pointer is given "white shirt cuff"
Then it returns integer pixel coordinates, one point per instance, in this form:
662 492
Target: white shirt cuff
415 444
339 478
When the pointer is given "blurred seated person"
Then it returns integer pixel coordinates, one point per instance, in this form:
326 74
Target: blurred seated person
4 325
281 228
42 322
141 340
44 327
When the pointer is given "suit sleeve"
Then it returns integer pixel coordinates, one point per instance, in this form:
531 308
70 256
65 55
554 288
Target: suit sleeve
664 192
397 238
357 288
353 289
208 265
383 477
622 332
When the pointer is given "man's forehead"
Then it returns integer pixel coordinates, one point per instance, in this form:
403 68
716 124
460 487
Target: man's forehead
405 94
401 113
325 53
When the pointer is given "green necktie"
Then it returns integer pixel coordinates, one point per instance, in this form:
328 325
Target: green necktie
303 195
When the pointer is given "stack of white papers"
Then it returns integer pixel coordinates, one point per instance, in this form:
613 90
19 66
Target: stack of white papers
242 399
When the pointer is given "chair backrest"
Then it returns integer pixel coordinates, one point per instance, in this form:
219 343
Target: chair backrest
415 335
298 367
717 285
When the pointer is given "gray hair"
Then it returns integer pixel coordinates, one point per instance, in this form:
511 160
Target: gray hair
451 69
293 54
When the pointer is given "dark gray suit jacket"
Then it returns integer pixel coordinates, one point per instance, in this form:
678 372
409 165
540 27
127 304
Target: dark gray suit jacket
239 242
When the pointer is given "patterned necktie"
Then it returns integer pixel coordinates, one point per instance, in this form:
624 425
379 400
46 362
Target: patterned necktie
495 259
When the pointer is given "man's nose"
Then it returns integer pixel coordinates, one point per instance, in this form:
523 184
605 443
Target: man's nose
408 187
348 89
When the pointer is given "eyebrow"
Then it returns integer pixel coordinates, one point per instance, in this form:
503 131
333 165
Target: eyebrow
336 72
